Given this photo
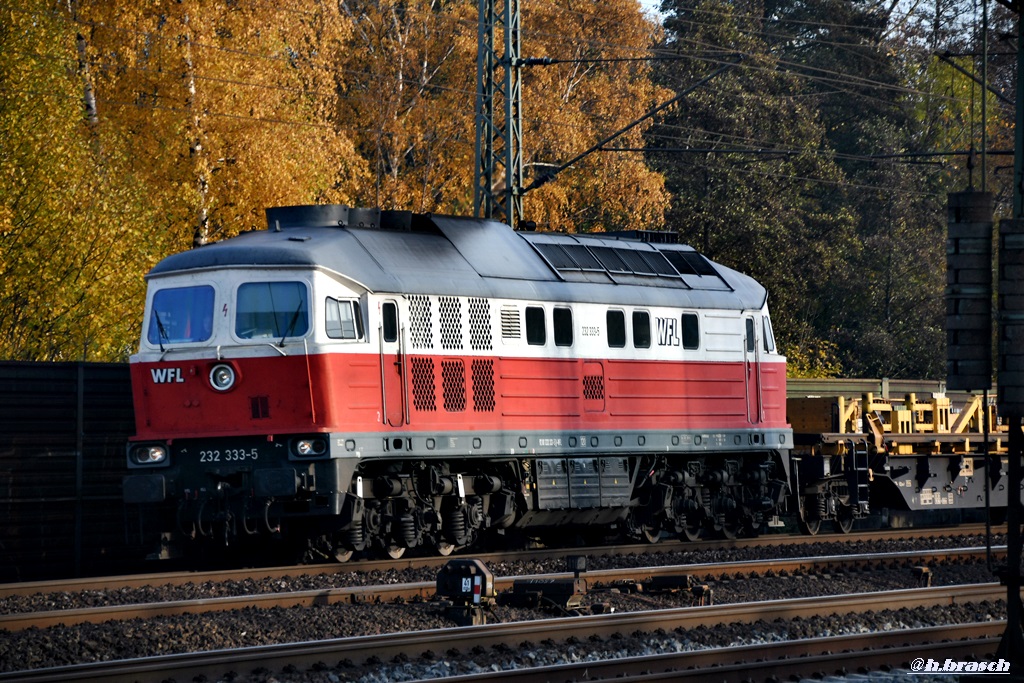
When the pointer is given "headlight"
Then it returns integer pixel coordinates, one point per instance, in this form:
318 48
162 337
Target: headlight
148 454
310 448
222 377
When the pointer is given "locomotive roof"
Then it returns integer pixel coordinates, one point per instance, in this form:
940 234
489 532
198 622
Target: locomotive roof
402 252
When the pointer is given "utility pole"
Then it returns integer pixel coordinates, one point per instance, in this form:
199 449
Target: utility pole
498 180
1011 369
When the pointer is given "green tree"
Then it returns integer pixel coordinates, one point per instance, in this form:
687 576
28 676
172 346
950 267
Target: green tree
887 319
751 170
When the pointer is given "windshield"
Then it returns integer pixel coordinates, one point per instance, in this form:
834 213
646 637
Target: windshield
181 314
273 310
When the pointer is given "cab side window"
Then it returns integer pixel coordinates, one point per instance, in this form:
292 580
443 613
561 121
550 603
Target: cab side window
389 313
769 338
344 320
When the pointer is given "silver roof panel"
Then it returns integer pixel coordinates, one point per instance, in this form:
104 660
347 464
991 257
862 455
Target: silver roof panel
452 256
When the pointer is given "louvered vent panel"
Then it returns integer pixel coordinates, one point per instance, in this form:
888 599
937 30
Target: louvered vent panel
453 385
483 385
423 387
422 320
450 313
510 323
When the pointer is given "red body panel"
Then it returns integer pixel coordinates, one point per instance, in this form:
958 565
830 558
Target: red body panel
342 393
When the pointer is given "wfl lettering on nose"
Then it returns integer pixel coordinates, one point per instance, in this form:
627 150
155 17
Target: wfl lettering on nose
166 375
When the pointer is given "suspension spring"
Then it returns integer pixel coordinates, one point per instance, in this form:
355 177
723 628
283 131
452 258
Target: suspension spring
356 537
407 529
455 525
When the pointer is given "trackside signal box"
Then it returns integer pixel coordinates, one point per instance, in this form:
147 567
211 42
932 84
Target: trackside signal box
469 586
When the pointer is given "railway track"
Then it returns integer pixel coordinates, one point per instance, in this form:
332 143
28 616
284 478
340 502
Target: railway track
178 578
818 652
424 590
813 658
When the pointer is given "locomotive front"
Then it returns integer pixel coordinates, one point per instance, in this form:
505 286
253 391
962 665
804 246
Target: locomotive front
232 431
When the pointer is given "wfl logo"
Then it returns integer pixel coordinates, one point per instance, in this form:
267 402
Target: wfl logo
668 332
166 375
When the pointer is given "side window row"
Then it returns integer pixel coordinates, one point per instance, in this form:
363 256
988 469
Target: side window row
536 329
689 330
345 322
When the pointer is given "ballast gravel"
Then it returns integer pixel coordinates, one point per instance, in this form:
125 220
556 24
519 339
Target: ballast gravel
14 604
63 645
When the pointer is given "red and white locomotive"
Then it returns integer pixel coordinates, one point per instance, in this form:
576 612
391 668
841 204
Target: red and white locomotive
355 378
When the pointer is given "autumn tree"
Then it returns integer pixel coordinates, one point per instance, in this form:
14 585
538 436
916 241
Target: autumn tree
409 76
230 106
600 82
74 235
132 131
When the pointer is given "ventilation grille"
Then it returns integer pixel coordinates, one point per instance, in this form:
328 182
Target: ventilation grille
510 324
423 385
450 311
453 385
593 387
260 407
483 385
480 324
421 316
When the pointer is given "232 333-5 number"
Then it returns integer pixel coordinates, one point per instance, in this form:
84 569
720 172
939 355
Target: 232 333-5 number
229 455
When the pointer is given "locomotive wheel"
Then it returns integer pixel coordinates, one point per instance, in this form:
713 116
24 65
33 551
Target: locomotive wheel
752 529
444 548
650 534
692 531
730 529
809 527
342 554
395 552
844 519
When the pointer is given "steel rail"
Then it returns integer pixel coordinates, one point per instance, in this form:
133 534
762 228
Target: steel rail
215 664
809 658
179 578
426 589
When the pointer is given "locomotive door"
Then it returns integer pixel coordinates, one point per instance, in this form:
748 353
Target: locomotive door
392 366
752 370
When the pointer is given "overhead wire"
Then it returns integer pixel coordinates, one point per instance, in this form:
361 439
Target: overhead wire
822 76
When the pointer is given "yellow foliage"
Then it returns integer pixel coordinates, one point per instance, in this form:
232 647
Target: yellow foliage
817 359
202 114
